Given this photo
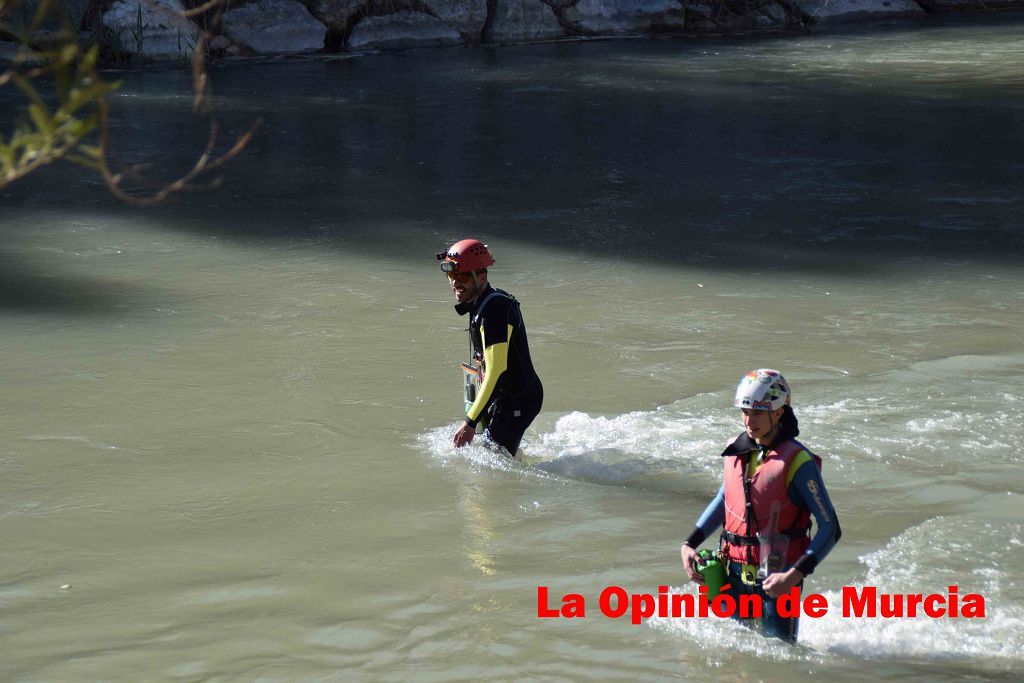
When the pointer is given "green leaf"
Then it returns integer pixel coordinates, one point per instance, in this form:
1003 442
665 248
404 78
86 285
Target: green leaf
41 118
91 151
6 158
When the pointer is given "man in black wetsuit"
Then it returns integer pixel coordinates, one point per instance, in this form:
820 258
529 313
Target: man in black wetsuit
509 394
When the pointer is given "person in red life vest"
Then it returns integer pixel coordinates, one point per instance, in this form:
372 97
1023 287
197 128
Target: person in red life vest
771 490
503 393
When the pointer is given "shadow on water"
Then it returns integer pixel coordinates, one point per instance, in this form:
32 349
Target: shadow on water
717 156
33 289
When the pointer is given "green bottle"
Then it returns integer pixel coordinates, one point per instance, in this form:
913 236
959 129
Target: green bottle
711 568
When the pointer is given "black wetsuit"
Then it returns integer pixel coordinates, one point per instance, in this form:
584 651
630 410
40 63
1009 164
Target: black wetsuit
511 393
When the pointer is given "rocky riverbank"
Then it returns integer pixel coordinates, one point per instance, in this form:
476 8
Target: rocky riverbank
142 30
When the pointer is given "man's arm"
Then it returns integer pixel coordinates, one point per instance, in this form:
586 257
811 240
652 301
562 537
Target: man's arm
495 363
495 337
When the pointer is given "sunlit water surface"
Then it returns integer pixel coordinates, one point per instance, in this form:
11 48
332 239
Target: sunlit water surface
227 421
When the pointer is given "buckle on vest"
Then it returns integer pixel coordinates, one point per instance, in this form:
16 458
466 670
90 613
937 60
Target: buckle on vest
742 541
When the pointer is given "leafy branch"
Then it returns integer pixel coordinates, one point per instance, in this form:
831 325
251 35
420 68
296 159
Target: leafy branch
76 126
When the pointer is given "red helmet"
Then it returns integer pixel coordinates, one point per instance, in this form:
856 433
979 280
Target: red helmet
465 256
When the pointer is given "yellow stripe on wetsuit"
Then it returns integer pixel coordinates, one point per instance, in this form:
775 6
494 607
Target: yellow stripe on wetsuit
495 363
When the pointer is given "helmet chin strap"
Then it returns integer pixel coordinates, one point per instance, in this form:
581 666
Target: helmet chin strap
773 432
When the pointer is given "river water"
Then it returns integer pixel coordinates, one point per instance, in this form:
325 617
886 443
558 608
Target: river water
226 421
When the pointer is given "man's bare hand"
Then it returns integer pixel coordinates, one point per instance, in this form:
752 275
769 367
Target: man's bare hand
464 436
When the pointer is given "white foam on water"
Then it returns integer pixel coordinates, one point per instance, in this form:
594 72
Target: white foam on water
939 417
710 632
480 453
660 449
977 557
923 418
674 432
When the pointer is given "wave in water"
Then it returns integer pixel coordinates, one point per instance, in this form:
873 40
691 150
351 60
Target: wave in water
952 416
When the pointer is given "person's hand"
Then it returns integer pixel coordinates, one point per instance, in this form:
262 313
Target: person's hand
689 556
780 582
464 436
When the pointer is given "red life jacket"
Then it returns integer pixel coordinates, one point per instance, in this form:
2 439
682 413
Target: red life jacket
767 487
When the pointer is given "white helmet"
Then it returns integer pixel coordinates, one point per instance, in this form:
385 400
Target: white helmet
762 389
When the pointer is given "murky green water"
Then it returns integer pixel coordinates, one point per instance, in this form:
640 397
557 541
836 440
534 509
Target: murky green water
226 420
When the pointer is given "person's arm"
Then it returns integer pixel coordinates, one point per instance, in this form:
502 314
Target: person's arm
809 489
495 363
709 520
495 333
707 523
